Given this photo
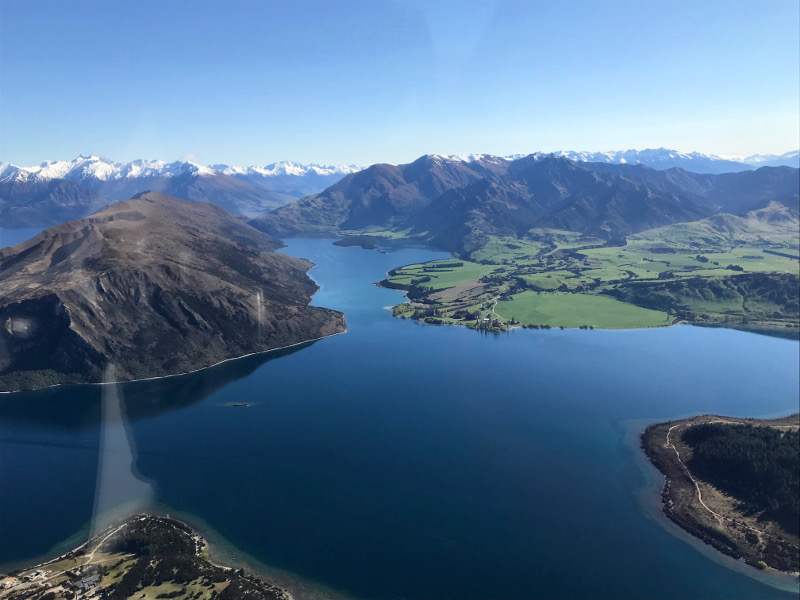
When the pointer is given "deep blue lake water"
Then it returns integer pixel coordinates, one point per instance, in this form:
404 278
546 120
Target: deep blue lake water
403 460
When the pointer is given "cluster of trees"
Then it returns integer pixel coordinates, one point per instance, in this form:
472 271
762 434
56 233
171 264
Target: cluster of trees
493 324
151 538
422 313
415 291
705 259
784 254
758 465
467 315
449 265
493 279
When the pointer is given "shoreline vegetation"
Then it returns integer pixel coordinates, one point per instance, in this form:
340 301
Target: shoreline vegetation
732 483
144 556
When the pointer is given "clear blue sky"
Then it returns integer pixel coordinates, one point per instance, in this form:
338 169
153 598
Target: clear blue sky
246 82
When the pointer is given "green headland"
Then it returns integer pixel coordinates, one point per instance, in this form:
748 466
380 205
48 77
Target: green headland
723 271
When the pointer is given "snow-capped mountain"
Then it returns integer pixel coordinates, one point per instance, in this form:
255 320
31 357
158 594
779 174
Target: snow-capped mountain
659 158
56 191
286 177
287 168
663 158
790 159
93 167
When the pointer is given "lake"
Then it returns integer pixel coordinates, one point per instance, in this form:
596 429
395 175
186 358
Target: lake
403 460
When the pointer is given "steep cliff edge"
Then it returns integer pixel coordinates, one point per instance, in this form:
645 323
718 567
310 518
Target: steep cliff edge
152 286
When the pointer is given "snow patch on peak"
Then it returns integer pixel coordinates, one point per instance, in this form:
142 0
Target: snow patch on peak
293 169
469 158
788 158
228 169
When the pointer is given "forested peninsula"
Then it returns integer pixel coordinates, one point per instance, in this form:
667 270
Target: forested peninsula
734 483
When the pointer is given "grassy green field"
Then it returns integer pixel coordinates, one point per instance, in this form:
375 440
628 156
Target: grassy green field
502 250
573 310
441 278
565 240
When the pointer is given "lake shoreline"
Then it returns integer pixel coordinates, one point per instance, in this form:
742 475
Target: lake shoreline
226 554
222 362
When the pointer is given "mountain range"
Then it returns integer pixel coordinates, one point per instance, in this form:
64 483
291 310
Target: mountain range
664 158
148 287
455 203
57 191
696 162
90 170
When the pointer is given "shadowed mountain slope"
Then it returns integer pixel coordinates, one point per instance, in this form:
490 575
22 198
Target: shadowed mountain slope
380 196
455 203
45 203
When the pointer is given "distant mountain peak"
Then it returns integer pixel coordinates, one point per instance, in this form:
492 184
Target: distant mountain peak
657 158
60 190
666 158
91 166
466 158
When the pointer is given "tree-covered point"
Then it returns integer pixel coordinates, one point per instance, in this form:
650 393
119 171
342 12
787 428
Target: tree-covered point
152 537
760 466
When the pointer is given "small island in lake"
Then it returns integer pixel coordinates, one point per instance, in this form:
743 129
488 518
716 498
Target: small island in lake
733 483
145 557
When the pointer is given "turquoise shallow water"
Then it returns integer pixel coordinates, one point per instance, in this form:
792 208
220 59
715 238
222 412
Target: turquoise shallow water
403 460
